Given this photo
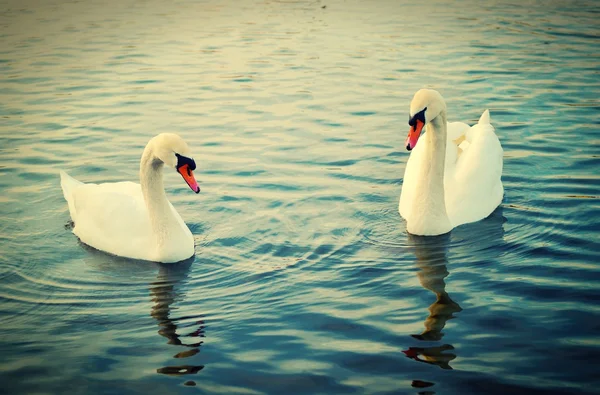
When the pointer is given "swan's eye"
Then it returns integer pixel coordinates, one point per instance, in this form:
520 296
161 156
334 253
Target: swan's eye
184 160
420 116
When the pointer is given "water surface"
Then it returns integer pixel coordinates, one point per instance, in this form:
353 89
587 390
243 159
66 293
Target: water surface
304 279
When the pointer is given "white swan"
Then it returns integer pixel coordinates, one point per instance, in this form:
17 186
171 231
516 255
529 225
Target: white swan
132 220
453 176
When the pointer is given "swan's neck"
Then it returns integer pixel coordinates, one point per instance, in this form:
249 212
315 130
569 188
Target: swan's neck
430 200
434 180
159 209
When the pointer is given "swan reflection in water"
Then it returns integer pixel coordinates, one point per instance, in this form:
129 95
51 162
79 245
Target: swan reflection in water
164 294
432 264
431 253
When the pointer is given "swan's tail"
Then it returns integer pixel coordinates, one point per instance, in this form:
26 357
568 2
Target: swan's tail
68 184
485 118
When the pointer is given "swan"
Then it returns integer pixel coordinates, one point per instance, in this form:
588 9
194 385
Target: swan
136 220
453 176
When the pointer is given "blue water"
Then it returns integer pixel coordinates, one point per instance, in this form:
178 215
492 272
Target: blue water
305 279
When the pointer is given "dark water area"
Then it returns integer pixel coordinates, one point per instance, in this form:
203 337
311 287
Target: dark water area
304 279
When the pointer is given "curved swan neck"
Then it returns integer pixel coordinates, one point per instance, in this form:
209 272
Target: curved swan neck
432 184
151 178
151 181
439 128
434 180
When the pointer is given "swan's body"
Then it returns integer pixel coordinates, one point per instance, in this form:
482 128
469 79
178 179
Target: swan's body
135 220
453 176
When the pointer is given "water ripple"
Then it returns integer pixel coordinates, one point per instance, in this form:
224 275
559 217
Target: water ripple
305 279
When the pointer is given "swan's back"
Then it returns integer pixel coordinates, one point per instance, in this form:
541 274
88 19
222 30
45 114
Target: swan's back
473 184
111 217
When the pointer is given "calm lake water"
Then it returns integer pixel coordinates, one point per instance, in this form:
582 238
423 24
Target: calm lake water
305 279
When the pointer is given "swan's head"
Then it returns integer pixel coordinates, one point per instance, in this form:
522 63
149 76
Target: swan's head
175 153
425 106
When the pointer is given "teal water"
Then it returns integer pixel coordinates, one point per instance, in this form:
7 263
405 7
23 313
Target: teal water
304 279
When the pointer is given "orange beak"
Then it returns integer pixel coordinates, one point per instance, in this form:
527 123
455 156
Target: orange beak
188 176
413 135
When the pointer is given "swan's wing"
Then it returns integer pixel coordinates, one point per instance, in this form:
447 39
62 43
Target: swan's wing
481 141
476 188
455 130
455 136
484 119
112 217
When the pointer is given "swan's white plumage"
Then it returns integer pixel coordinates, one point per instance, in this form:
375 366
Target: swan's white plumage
114 217
472 174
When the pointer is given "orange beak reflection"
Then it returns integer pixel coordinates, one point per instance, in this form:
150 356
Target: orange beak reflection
413 134
188 176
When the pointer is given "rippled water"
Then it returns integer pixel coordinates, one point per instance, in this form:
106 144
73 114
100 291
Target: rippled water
304 279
